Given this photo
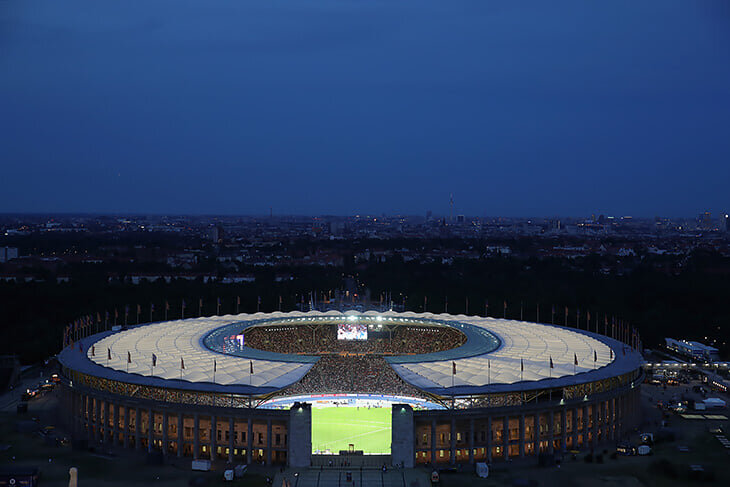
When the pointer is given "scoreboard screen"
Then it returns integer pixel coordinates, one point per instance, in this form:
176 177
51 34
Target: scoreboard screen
352 331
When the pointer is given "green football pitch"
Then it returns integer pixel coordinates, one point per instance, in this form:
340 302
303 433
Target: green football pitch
335 428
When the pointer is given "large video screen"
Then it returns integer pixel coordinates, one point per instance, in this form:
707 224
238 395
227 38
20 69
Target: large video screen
352 331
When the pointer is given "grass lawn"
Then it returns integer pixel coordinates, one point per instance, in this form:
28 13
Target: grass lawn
336 428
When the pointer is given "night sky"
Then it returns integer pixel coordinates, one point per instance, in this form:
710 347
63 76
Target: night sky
519 108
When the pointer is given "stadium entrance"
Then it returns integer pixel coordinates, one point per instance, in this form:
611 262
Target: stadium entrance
355 428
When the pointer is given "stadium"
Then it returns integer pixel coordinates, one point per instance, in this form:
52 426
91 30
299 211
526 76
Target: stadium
304 388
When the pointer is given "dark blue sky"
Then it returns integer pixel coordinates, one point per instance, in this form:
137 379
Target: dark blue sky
344 106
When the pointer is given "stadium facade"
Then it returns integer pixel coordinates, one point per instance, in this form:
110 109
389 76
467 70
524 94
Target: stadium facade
510 389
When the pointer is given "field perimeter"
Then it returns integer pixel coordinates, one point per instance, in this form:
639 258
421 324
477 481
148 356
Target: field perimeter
337 427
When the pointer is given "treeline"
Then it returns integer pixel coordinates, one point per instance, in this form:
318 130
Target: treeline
692 304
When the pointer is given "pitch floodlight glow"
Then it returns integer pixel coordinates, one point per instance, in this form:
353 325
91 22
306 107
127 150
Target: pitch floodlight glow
351 318
379 318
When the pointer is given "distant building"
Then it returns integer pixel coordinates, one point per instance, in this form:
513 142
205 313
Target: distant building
8 253
694 350
216 234
704 220
724 218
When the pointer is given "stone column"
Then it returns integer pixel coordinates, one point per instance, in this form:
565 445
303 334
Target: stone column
97 421
522 435
300 436
575 428
536 434
611 420
89 417
115 429
150 429
268 441
471 440
402 436
489 439
249 440
75 413
594 430
505 437
452 440
551 432
196 436
165 433
180 436
106 431
125 435
620 417
433 441
231 433
213 437
137 428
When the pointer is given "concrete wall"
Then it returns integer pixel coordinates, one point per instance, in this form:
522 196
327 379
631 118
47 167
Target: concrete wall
402 447
300 435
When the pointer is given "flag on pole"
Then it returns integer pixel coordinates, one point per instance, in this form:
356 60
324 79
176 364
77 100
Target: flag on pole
250 363
154 360
93 349
595 356
215 365
129 357
522 366
108 353
610 353
453 368
551 362
182 364
575 359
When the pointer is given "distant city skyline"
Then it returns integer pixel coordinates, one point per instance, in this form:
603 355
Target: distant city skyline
714 215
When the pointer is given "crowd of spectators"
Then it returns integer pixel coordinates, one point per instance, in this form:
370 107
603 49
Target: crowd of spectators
322 339
352 373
